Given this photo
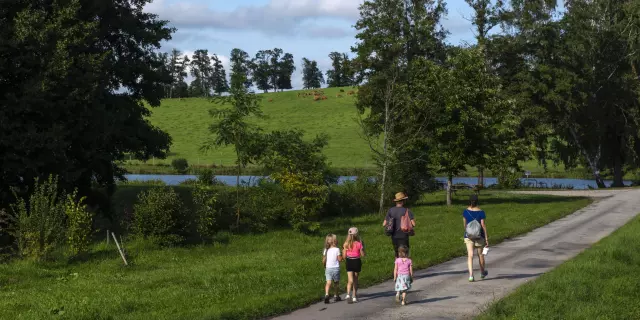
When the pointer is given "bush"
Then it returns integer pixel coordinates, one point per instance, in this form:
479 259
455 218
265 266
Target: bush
204 200
264 206
39 227
353 197
157 214
207 177
180 165
79 222
509 179
309 195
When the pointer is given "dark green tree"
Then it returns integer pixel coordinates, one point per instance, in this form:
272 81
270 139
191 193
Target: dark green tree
261 70
177 69
219 81
202 71
312 77
240 69
77 78
274 67
335 76
285 71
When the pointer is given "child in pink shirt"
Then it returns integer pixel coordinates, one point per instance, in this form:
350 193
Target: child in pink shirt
352 252
403 274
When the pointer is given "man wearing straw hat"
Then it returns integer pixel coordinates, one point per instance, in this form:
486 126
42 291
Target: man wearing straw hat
395 214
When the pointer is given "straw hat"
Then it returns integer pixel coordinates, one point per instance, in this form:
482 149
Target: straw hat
400 196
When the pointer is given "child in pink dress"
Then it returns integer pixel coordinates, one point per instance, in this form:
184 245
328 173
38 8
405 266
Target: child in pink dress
403 274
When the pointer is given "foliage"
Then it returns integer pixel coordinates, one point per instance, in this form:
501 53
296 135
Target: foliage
156 215
240 68
202 72
39 223
180 165
343 72
208 178
204 200
312 77
353 197
81 105
79 223
219 82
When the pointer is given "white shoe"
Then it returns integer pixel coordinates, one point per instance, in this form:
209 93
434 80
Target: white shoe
355 300
398 297
348 298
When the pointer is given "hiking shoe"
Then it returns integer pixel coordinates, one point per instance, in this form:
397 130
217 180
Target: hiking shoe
349 301
326 298
484 274
337 299
471 279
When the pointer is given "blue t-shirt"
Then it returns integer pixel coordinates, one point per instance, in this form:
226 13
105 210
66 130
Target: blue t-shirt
474 215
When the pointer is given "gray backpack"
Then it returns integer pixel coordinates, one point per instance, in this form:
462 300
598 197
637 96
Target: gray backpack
473 228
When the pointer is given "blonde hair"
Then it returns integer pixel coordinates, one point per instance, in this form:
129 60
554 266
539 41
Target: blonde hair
350 240
402 251
330 240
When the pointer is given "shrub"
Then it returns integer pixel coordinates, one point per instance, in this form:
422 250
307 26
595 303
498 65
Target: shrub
204 200
266 205
156 215
352 197
39 227
180 165
207 177
509 179
79 222
309 196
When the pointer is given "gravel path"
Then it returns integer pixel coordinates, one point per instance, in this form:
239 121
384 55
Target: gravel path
443 292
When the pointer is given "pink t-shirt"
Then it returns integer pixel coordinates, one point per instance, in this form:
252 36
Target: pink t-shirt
403 266
354 252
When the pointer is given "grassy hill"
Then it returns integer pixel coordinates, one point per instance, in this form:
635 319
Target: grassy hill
187 121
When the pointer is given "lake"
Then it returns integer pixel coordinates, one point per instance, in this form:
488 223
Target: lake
537 182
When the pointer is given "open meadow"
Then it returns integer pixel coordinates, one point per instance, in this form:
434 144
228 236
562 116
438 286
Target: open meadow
248 276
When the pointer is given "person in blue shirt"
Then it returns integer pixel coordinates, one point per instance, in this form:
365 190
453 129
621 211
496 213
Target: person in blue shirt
473 212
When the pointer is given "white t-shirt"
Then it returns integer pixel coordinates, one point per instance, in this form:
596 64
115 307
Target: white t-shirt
332 257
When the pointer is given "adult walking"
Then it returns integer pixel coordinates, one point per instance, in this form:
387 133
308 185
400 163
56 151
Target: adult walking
475 235
394 216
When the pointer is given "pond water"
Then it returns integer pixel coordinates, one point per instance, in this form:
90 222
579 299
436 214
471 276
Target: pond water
252 180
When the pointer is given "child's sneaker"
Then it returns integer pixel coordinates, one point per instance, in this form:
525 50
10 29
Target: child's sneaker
471 279
337 299
349 301
398 297
355 300
484 274
404 302
326 298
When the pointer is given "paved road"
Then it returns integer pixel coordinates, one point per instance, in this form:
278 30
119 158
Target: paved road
443 292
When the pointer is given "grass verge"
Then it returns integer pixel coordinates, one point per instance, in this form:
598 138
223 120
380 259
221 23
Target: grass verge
248 276
600 283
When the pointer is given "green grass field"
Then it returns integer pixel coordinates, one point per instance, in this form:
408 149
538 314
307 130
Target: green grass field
250 276
187 121
600 283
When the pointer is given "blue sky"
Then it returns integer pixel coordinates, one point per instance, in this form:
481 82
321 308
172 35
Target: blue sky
305 28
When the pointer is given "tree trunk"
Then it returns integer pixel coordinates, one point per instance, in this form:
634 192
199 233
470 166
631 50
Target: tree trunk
592 161
617 173
481 176
385 161
449 189
382 187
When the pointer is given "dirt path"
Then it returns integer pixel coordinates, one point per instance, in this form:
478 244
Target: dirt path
443 292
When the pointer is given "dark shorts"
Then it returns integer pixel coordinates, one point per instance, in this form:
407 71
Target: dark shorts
397 242
354 265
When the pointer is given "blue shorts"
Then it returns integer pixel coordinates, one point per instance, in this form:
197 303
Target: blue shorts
332 274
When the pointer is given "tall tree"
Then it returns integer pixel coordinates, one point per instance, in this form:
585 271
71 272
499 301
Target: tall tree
202 70
240 68
312 77
261 70
219 76
233 128
335 75
285 71
390 35
274 67
177 70
76 122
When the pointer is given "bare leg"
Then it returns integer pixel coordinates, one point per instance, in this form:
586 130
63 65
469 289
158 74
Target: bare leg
327 287
470 258
481 260
404 296
355 283
349 282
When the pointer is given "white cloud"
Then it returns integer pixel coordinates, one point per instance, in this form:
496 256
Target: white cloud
277 16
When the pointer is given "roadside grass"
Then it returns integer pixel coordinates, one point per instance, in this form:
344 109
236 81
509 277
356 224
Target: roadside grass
600 283
248 276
